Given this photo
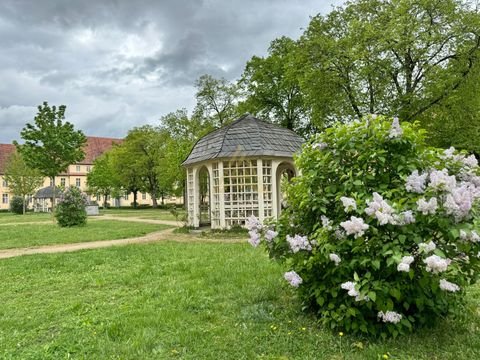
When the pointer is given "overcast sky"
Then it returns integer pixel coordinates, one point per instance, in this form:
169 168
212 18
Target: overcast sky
117 64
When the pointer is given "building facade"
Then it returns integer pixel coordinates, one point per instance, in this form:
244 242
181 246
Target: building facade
76 174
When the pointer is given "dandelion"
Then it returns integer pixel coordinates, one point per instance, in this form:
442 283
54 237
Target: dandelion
355 226
448 286
389 317
293 278
348 203
340 334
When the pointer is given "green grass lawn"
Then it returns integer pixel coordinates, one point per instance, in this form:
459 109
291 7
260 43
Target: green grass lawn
21 235
186 301
155 214
6 218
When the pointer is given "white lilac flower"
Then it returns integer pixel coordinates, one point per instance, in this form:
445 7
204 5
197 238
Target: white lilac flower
436 264
350 286
415 182
427 247
320 145
270 235
403 267
293 278
254 238
326 223
459 202
390 317
298 243
448 286
253 223
339 234
463 235
440 180
471 161
407 217
427 207
348 203
474 237
449 153
408 260
380 209
395 129
471 236
354 226
335 258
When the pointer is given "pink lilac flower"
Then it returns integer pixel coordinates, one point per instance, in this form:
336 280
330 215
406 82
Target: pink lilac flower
298 243
293 278
348 203
470 236
436 264
270 235
427 207
253 223
406 218
471 161
380 209
448 286
416 183
254 238
390 317
355 226
395 129
440 180
335 258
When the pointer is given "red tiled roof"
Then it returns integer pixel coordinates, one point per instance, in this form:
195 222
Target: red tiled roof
96 146
5 151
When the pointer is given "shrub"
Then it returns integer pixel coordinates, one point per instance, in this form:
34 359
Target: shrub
16 205
380 234
71 208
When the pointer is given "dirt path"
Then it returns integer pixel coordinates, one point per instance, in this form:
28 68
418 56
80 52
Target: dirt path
152 237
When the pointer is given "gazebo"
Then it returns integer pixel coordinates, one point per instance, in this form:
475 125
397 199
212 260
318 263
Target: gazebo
235 172
43 198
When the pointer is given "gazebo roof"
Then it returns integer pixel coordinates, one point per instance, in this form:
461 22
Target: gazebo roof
47 193
247 136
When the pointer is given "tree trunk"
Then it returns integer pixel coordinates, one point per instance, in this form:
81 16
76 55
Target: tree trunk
163 199
54 196
23 204
154 200
105 201
135 199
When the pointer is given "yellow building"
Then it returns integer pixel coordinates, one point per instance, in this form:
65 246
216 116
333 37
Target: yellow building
76 175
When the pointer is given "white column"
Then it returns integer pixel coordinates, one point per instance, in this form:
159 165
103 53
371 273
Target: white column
275 164
210 191
261 212
221 195
196 198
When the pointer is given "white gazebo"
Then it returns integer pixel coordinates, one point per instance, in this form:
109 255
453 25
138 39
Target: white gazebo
235 172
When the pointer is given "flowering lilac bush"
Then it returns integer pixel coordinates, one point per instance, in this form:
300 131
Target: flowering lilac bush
71 208
380 234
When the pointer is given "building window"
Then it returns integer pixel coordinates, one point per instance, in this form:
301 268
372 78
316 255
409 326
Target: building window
62 181
89 168
5 183
126 196
78 168
77 182
5 199
144 196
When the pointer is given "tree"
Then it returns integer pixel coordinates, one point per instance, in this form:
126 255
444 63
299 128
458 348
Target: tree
183 132
273 88
51 144
103 178
387 56
22 180
216 99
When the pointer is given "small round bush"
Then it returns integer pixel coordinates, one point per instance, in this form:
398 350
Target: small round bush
380 235
16 205
70 210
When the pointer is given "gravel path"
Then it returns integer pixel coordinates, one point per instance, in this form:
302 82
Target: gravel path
152 237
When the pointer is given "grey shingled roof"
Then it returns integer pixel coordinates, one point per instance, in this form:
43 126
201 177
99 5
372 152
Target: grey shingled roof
247 136
47 193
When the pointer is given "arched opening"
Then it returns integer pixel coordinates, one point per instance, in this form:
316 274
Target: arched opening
204 197
285 173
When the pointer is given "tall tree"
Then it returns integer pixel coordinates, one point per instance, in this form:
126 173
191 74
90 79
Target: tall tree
103 179
387 56
22 180
272 86
51 144
216 99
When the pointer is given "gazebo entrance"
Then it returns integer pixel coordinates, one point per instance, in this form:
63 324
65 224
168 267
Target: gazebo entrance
204 197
